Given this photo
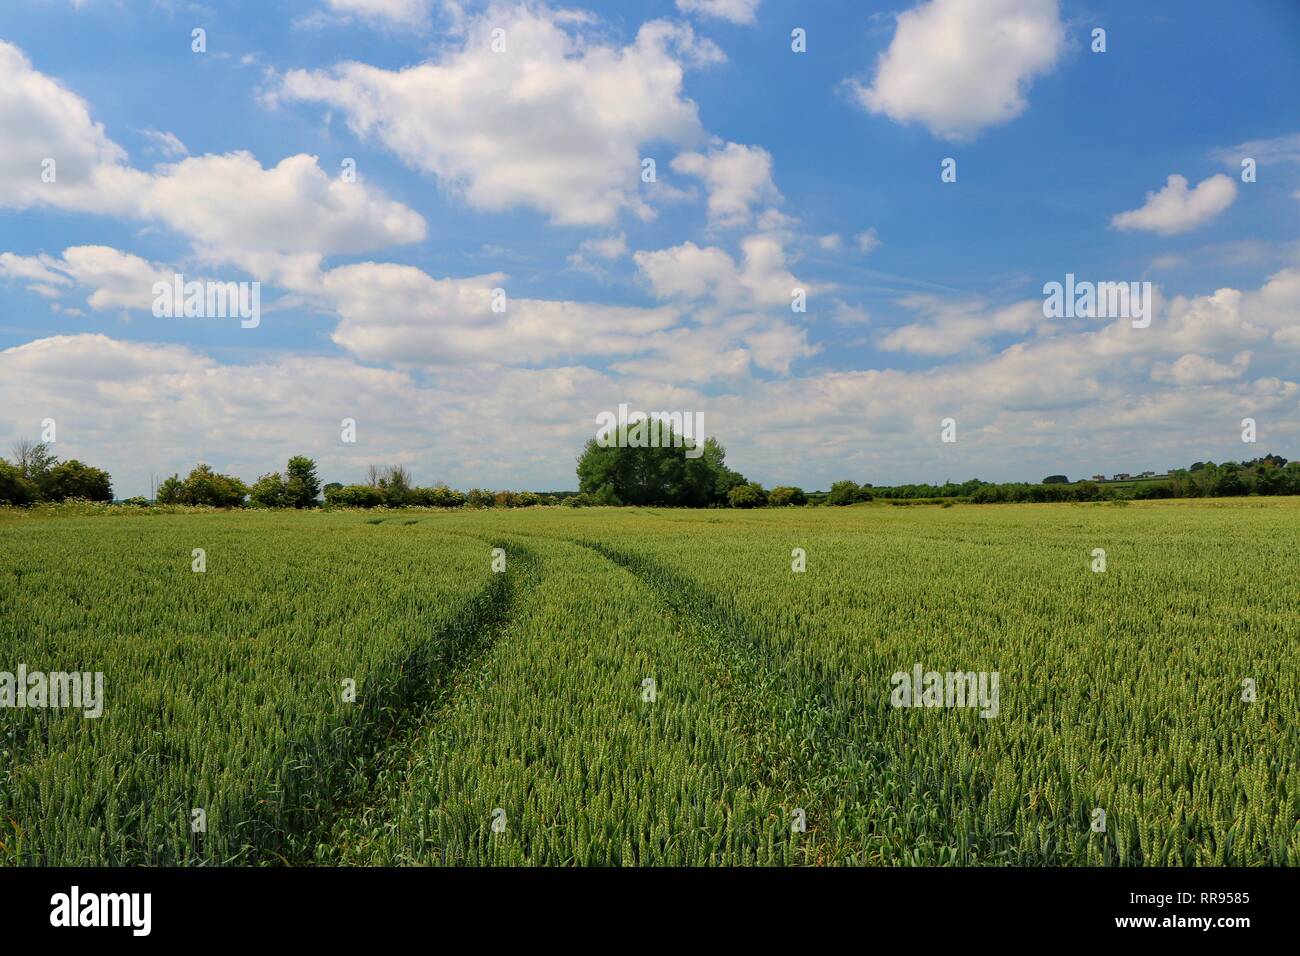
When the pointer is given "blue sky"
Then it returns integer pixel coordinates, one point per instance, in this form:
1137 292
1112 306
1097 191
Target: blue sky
776 170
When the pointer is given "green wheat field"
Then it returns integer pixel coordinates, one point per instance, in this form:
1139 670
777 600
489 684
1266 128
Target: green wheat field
556 686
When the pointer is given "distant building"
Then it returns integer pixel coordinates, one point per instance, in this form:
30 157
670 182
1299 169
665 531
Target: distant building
1122 476
1148 474
1098 477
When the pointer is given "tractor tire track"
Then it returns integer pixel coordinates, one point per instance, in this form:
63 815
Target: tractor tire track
395 717
807 753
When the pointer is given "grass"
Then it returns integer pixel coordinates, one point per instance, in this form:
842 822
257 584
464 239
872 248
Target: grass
523 692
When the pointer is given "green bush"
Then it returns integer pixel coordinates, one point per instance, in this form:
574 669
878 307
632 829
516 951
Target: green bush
72 479
749 495
14 488
203 486
354 496
439 496
268 491
783 495
846 493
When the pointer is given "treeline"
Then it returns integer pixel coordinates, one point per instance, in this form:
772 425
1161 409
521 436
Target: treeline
617 474
299 486
36 476
392 487
1270 475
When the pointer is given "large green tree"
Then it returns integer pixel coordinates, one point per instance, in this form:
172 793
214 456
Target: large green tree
73 479
621 473
301 485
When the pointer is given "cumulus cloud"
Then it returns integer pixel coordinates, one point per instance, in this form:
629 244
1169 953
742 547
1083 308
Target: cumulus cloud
48 133
41 273
556 124
409 14
276 222
951 328
593 251
168 144
115 279
690 272
737 177
1176 208
734 11
1199 370
280 220
958 67
400 314
868 241
1103 397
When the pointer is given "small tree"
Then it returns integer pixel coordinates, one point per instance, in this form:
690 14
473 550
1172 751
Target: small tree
394 482
171 491
33 459
269 491
301 485
203 486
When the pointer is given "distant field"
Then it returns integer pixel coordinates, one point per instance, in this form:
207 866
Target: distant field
1129 483
654 686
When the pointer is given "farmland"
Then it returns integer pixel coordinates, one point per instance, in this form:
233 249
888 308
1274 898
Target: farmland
556 686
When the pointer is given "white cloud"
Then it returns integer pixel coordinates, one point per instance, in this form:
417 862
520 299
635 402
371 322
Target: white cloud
950 328
32 269
1194 369
279 220
868 241
411 14
607 248
735 11
831 242
774 346
845 314
400 314
1176 208
40 121
557 123
168 144
115 279
1265 152
1082 400
690 272
737 177
959 66
275 222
